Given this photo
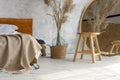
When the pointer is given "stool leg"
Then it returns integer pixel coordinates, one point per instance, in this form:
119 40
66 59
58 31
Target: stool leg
98 48
117 49
77 48
111 50
83 47
92 48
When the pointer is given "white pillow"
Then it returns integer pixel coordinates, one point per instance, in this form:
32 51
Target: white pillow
7 29
14 27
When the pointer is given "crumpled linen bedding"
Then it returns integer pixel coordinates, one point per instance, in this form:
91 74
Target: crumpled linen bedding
17 52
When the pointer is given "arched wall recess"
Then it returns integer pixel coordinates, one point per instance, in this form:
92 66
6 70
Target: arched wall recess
112 32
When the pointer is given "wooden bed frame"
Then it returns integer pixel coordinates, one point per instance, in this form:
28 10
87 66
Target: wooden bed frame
24 25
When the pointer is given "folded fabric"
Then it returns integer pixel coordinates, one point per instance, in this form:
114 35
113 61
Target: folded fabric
40 41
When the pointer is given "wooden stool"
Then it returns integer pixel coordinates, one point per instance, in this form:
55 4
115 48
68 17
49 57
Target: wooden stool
94 46
116 46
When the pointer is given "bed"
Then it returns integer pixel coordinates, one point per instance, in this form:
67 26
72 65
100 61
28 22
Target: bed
18 51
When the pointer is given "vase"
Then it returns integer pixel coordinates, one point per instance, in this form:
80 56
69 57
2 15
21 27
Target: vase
62 41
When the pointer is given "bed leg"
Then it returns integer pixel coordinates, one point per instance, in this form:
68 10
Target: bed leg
36 66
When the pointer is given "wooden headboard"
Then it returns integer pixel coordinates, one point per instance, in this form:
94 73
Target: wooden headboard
24 25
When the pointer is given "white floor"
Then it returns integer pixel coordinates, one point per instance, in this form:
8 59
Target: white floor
56 69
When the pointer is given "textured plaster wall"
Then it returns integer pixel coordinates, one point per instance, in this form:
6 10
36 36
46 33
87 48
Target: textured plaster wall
43 25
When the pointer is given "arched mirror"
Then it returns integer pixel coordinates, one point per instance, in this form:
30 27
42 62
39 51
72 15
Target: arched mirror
102 16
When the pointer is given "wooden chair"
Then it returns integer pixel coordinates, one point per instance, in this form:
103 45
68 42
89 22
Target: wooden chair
116 47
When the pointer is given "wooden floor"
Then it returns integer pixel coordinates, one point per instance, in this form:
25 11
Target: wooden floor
56 69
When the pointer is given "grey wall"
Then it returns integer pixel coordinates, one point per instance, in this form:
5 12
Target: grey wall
43 25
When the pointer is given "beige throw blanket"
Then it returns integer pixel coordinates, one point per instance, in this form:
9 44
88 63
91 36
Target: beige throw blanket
17 52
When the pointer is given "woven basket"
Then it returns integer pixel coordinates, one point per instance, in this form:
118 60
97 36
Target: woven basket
58 52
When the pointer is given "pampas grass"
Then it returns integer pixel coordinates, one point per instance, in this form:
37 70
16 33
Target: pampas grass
60 8
98 12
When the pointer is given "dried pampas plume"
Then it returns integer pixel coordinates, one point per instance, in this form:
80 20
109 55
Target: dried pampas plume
60 8
68 6
98 12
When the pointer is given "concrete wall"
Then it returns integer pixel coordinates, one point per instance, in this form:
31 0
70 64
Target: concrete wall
43 25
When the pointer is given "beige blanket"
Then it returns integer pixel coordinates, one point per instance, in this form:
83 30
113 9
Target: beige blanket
17 52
